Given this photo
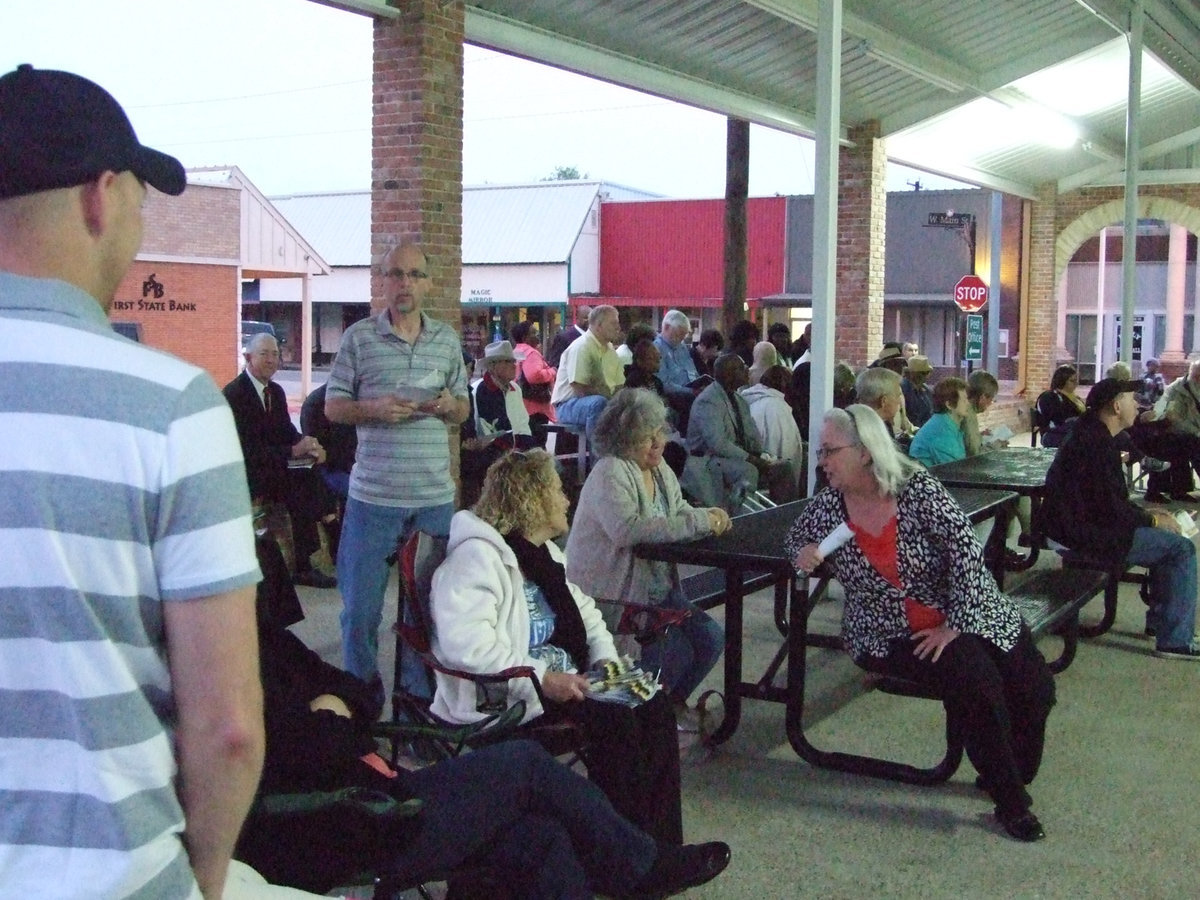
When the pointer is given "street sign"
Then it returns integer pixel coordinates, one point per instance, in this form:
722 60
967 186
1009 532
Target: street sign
970 294
949 220
974 338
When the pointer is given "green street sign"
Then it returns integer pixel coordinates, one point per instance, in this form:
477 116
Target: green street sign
974 338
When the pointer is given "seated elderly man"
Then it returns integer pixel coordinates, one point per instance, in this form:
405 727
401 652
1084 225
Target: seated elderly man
499 406
589 372
918 398
270 443
879 388
722 429
1087 508
499 420
678 369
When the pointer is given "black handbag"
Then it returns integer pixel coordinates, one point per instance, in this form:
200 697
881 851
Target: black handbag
537 392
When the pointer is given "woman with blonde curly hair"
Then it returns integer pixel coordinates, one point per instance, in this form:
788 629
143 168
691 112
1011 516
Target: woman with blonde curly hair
502 599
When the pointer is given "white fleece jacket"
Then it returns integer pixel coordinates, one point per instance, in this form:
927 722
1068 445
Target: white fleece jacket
481 621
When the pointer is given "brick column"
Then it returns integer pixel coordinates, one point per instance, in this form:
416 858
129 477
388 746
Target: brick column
862 219
1040 328
416 150
416 144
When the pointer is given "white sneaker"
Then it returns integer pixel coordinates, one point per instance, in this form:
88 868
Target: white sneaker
1191 654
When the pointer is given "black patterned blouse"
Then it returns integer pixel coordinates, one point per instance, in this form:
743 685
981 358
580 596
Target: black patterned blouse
940 563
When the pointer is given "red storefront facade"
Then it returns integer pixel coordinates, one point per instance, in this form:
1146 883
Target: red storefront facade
657 255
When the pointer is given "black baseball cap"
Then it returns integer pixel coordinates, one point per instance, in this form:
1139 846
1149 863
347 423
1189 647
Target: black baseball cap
58 130
1106 390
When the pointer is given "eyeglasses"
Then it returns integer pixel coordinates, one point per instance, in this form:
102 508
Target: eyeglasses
411 274
824 453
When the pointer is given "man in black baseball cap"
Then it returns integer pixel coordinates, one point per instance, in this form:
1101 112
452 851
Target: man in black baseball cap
1086 507
58 130
73 176
129 587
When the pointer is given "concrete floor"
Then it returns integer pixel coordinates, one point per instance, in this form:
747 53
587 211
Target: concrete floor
1114 793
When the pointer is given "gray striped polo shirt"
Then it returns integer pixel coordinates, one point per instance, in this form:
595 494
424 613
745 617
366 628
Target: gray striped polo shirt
121 488
408 463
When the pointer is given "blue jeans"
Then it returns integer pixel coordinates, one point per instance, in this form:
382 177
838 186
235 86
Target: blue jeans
551 832
582 412
1171 560
370 534
688 652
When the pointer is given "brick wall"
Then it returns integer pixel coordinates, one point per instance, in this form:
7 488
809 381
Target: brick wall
416 157
1051 215
862 220
204 221
189 309
195 317
416 149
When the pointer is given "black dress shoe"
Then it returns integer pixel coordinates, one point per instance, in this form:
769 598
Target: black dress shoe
1014 561
1023 826
1183 497
1156 497
676 869
314 578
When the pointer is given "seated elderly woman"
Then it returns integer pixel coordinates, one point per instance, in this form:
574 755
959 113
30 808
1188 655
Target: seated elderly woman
982 388
940 440
921 604
539 828
502 599
632 497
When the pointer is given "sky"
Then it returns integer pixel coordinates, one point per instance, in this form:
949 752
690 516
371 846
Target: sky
282 89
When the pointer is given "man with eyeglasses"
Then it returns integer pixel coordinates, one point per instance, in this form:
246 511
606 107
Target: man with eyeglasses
399 377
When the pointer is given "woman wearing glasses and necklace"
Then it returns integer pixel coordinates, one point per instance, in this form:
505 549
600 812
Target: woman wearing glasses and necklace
920 604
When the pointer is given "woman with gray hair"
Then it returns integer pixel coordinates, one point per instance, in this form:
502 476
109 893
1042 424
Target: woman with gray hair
921 604
632 497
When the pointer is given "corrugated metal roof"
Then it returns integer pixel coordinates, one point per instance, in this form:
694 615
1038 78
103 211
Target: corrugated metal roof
916 67
533 223
529 223
502 224
337 223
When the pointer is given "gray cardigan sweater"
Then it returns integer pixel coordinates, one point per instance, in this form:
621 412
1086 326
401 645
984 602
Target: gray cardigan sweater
615 513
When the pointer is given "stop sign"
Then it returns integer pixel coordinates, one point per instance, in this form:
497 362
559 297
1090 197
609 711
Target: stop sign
970 294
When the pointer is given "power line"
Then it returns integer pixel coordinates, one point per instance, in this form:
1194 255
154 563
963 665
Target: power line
299 90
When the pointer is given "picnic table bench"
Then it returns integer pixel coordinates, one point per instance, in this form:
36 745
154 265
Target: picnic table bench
1049 602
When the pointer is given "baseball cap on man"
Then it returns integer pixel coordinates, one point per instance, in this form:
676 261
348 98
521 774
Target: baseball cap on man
58 130
1106 390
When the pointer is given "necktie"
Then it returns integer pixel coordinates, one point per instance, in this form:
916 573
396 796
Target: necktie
267 399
